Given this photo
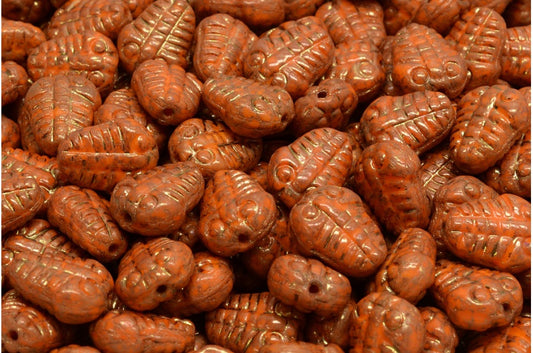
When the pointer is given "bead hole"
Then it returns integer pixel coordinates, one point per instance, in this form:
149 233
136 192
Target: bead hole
322 94
313 288
161 289
13 335
168 111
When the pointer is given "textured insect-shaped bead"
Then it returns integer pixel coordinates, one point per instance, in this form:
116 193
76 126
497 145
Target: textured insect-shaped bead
494 233
235 213
73 289
293 55
333 224
479 36
490 119
420 119
347 21
155 202
53 108
78 16
221 45
90 54
84 216
136 332
385 320
476 298
409 269
250 109
168 93
245 322
28 328
212 146
15 82
165 29
516 56
18 39
319 157
152 272
423 60
107 152
22 198
387 175
441 335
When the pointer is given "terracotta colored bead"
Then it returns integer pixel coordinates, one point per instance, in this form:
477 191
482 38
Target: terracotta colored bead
331 223
221 43
28 328
26 10
248 108
255 13
134 332
388 177
151 273
308 285
89 54
212 146
54 107
360 64
18 39
10 133
246 322
168 93
77 16
296 9
39 236
456 191
155 202
85 218
423 60
421 120
73 289
22 198
494 233
516 56
320 157
107 152
335 330
273 245
329 104
518 13
437 14
293 55
490 119
496 5
300 347
211 348
44 169
479 36
385 321
15 82
348 22
164 30
441 335
513 338
209 286
409 269
235 213
512 174
437 169
476 298
74 348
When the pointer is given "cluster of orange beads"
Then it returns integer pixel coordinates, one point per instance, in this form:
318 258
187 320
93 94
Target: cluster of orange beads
266 176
